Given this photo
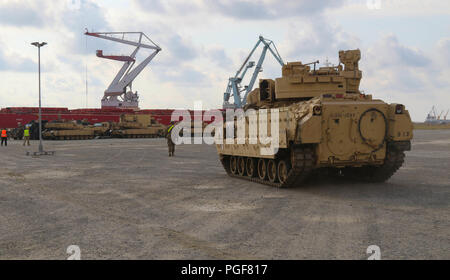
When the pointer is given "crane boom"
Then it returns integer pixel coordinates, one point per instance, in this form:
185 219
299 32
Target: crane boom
234 87
116 94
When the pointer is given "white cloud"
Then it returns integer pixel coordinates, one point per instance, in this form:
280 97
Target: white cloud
16 63
241 9
398 73
22 13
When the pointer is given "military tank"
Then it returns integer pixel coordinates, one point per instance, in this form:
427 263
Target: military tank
137 126
325 123
72 130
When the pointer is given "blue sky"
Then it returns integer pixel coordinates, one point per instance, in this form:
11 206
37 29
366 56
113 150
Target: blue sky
405 47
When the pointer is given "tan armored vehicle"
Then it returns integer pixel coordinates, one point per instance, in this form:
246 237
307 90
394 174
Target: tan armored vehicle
66 130
325 122
138 126
70 130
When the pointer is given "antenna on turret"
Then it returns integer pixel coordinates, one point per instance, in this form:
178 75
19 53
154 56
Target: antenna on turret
314 62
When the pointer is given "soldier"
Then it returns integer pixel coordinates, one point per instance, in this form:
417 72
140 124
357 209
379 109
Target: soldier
170 143
26 136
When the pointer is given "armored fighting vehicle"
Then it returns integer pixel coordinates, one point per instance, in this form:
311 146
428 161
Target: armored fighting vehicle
71 130
325 123
137 126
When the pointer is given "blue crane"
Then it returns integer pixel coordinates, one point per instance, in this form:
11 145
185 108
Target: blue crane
234 86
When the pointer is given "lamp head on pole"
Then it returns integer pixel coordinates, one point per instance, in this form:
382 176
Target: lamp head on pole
37 44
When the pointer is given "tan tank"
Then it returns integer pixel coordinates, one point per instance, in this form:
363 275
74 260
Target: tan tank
325 123
137 126
70 130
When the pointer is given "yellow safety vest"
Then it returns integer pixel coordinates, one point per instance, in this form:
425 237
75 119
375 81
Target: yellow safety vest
26 133
170 128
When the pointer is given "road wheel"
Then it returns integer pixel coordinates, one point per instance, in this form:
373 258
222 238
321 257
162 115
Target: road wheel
233 165
283 171
250 166
262 169
272 170
241 166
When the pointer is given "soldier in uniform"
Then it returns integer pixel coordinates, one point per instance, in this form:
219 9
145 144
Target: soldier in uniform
170 143
26 136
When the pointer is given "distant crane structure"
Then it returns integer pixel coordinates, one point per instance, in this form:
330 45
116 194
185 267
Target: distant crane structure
234 87
434 118
431 116
117 94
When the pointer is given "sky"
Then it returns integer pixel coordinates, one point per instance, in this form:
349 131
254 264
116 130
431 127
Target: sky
405 46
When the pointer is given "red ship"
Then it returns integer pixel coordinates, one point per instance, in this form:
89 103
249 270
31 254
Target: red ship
16 116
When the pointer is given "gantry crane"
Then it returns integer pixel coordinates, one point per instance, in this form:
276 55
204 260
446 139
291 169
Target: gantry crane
116 95
234 87
431 116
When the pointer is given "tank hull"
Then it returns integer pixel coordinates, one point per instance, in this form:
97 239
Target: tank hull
315 119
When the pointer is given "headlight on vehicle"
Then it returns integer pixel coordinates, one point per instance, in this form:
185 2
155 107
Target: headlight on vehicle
317 110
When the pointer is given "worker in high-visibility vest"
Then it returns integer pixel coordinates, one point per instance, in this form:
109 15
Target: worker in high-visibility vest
170 143
26 136
4 137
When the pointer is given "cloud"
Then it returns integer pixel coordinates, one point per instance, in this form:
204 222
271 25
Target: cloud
444 50
398 73
307 41
152 5
16 63
180 49
182 77
399 67
270 9
241 9
22 13
389 51
87 15
159 6
219 57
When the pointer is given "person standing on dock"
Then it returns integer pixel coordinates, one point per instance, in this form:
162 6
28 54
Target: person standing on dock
26 136
4 137
170 143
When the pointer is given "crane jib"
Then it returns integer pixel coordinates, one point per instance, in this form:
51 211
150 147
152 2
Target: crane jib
116 95
234 87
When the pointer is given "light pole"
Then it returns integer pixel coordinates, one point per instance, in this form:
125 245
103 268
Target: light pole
41 149
39 45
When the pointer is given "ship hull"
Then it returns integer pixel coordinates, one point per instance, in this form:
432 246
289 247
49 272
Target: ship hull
18 116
